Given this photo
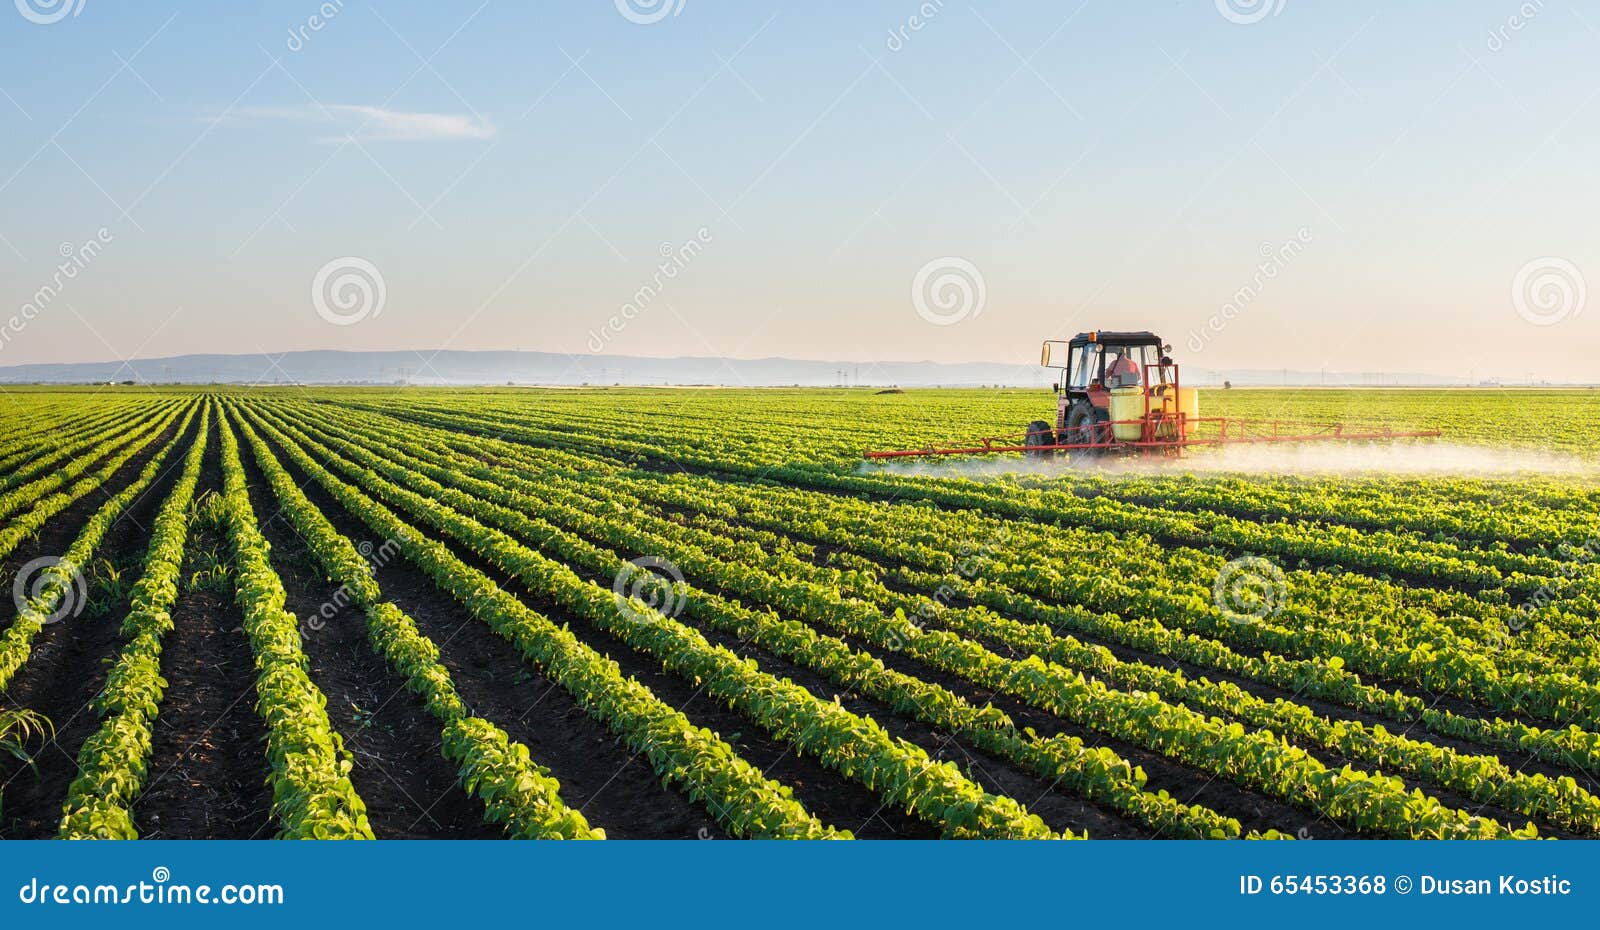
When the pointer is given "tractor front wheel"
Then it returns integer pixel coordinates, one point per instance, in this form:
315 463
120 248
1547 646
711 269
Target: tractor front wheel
1039 435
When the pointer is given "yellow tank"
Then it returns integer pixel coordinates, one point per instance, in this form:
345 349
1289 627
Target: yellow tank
1127 403
1184 401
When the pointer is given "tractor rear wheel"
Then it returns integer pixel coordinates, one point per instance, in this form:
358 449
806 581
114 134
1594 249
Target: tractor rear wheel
1039 434
1084 425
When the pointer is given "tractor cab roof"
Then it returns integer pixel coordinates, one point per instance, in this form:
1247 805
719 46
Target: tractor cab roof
1104 337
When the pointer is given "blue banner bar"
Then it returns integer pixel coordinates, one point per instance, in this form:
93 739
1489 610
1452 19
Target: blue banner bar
1314 883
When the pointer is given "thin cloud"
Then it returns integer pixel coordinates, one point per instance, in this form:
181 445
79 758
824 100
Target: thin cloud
373 124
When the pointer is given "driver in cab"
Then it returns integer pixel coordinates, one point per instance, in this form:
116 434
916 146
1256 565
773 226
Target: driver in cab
1122 371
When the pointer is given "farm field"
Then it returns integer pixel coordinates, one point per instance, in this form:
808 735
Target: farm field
634 613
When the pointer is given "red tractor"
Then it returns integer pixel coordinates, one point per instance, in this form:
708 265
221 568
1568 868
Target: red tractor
1111 389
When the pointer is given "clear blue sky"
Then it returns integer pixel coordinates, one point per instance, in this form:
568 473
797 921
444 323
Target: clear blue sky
514 171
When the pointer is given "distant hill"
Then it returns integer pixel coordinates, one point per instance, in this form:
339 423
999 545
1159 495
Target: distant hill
465 368
545 368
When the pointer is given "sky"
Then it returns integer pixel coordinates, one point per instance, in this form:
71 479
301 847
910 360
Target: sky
1265 183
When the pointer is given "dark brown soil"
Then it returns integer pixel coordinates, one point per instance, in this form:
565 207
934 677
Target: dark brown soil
208 765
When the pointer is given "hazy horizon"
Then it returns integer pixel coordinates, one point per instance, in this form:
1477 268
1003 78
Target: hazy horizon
1268 184
495 367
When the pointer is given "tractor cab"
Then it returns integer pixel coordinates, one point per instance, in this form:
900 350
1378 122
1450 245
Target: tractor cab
1091 362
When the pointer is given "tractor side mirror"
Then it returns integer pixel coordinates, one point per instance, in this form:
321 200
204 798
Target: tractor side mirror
1056 388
